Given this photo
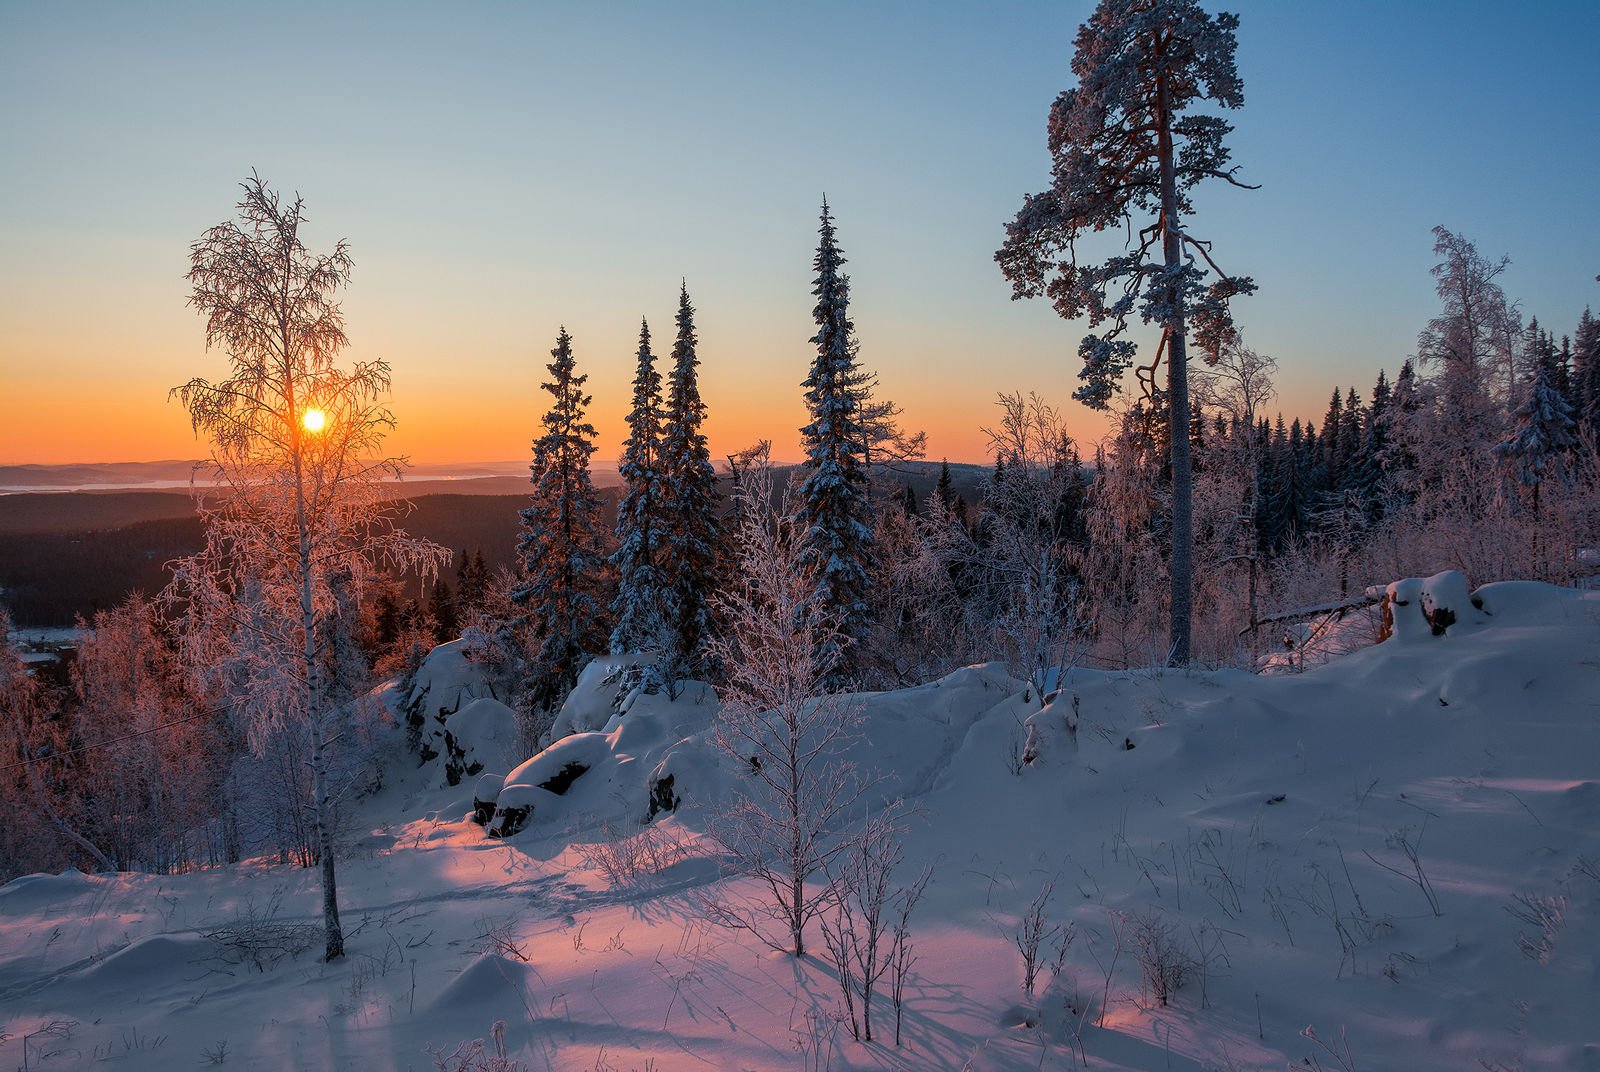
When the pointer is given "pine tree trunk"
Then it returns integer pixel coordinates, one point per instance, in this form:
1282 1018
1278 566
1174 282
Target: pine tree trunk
1182 568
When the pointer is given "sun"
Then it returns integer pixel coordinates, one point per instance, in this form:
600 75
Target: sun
313 419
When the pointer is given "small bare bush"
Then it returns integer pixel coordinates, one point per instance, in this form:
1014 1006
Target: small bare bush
498 937
1339 1053
1033 931
1548 915
1165 962
472 1057
258 938
629 860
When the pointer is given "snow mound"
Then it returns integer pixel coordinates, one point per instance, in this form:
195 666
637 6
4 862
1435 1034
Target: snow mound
491 987
452 711
1420 607
148 964
481 736
651 753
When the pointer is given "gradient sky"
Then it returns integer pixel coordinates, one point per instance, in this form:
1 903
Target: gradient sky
501 169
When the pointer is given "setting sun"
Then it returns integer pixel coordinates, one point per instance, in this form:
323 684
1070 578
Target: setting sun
313 419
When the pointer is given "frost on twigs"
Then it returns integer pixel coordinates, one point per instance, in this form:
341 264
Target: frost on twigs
257 937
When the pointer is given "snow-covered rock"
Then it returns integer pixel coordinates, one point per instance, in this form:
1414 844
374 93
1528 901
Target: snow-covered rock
1421 607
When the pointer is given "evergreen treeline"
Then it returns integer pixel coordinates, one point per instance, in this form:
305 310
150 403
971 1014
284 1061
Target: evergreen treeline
1479 455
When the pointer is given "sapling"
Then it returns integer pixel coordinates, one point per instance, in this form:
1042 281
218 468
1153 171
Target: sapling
1033 930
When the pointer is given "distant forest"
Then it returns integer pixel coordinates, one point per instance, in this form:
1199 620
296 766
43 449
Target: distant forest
67 554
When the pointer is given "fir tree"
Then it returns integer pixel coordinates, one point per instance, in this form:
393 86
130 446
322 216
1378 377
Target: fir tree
641 604
837 537
693 530
560 549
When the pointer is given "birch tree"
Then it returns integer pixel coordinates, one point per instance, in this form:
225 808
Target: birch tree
302 525
776 719
1123 153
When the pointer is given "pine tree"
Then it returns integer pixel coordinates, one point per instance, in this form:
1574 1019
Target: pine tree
693 522
1122 147
837 537
641 604
560 549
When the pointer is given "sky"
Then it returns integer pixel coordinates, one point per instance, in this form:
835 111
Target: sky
503 169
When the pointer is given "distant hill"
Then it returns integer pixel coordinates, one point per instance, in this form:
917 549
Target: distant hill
482 478
63 554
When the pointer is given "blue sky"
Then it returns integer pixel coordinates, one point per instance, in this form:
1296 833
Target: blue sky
501 169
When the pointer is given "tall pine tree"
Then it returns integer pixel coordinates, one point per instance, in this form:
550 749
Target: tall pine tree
641 605
836 535
693 523
1126 154
561 549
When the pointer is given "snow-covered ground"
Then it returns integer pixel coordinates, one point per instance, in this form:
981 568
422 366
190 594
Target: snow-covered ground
1391 861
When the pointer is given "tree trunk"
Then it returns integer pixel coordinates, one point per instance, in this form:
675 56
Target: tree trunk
323 808
314 714
1182 567
797 861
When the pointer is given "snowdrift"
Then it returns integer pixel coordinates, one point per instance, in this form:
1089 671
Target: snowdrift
1391 861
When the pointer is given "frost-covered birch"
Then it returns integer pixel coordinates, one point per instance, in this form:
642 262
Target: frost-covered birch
301 525
779 724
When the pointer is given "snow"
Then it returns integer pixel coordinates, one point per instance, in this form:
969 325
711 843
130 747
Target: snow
1268 818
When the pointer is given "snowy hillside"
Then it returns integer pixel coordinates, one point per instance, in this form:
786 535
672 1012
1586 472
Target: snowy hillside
1391 861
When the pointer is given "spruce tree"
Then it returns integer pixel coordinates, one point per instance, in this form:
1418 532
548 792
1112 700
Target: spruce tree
1586 377
1352 427
442 609
1332 452
836 538
1403 413
944 488
641 604
472 585
1542 428
693 530
1368 471
561 548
